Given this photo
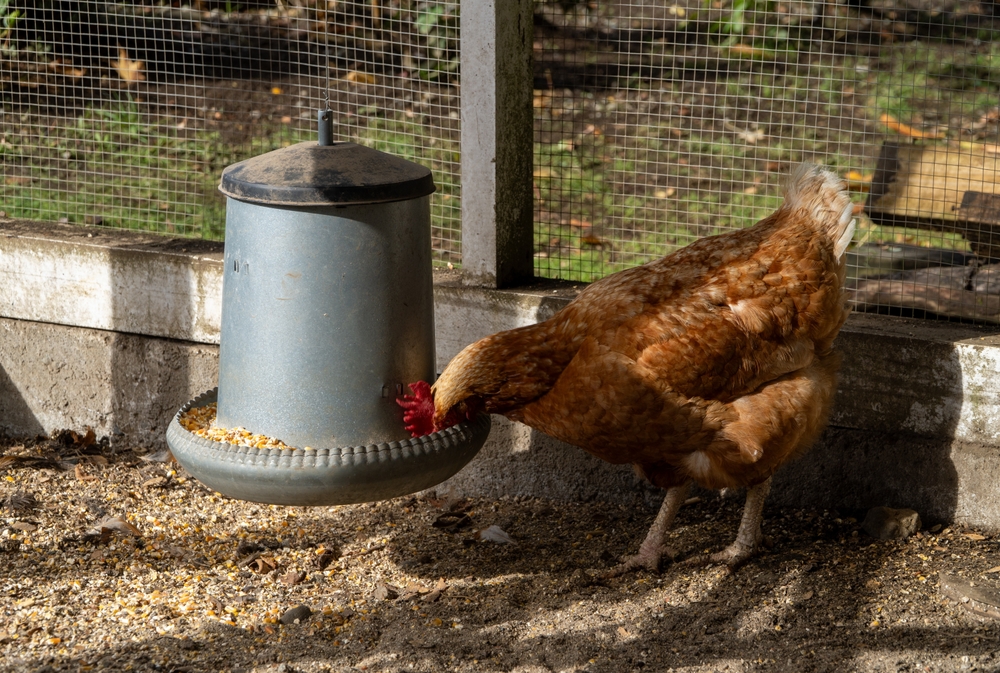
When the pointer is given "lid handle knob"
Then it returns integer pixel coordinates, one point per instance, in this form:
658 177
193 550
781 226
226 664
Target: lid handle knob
325 118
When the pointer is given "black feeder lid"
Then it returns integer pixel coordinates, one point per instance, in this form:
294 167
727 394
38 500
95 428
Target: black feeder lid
308 174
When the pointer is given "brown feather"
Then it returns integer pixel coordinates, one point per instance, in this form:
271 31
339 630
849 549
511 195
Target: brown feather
712 364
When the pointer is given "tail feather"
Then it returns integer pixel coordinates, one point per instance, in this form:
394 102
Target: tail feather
824 195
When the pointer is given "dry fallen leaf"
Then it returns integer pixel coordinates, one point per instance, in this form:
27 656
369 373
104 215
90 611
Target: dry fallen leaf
899 127
66 69
412 590
751 136
86 439
360 77
436 592
130 71
293 577
81 474
156 482
262 565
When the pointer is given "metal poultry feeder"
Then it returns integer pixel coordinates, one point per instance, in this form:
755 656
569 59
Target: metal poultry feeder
327 314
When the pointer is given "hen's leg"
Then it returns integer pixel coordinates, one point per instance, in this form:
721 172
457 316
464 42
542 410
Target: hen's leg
749 535
652 548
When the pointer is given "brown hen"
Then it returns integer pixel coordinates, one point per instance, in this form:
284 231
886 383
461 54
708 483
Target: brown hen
713 364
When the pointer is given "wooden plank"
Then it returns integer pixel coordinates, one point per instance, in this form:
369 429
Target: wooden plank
979 207
925 186
964 292
929 182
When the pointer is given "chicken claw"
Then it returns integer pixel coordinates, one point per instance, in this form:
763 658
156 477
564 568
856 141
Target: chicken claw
747 541
646 559
652 550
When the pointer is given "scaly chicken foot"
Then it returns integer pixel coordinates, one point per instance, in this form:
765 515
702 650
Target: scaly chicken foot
749 535
652 550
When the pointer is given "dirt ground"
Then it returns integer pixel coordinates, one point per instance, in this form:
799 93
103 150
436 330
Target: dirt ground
110 561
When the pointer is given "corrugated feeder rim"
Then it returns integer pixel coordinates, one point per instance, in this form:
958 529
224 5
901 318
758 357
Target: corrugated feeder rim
297 458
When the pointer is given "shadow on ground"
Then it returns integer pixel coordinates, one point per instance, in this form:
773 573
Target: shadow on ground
823 597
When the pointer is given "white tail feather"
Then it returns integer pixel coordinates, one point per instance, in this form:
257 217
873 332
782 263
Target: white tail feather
824 196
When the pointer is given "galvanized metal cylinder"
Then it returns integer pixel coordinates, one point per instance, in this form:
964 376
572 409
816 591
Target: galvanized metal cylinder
327 314
327 311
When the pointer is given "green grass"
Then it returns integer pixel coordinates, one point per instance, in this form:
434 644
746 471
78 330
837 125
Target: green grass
113 167
923 81
409 140
715 177
605 200
119 167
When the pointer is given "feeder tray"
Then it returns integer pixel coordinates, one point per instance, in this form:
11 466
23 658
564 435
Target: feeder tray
339 476
327 315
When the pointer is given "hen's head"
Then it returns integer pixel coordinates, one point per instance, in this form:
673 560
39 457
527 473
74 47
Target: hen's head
420 416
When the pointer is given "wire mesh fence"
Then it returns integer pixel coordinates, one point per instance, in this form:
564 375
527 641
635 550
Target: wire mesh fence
655 122
659 123
123 114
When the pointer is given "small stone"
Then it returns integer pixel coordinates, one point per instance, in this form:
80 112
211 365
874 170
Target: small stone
886 523
246 548
299 613
385 592
327 555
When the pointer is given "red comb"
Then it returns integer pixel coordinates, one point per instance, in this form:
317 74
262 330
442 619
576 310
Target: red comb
418 409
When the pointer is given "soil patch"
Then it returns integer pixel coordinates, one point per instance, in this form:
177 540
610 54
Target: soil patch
116 562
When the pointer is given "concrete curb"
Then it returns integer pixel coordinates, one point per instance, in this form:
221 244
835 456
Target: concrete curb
116 330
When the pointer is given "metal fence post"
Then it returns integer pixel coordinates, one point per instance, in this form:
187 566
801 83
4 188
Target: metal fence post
497 142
